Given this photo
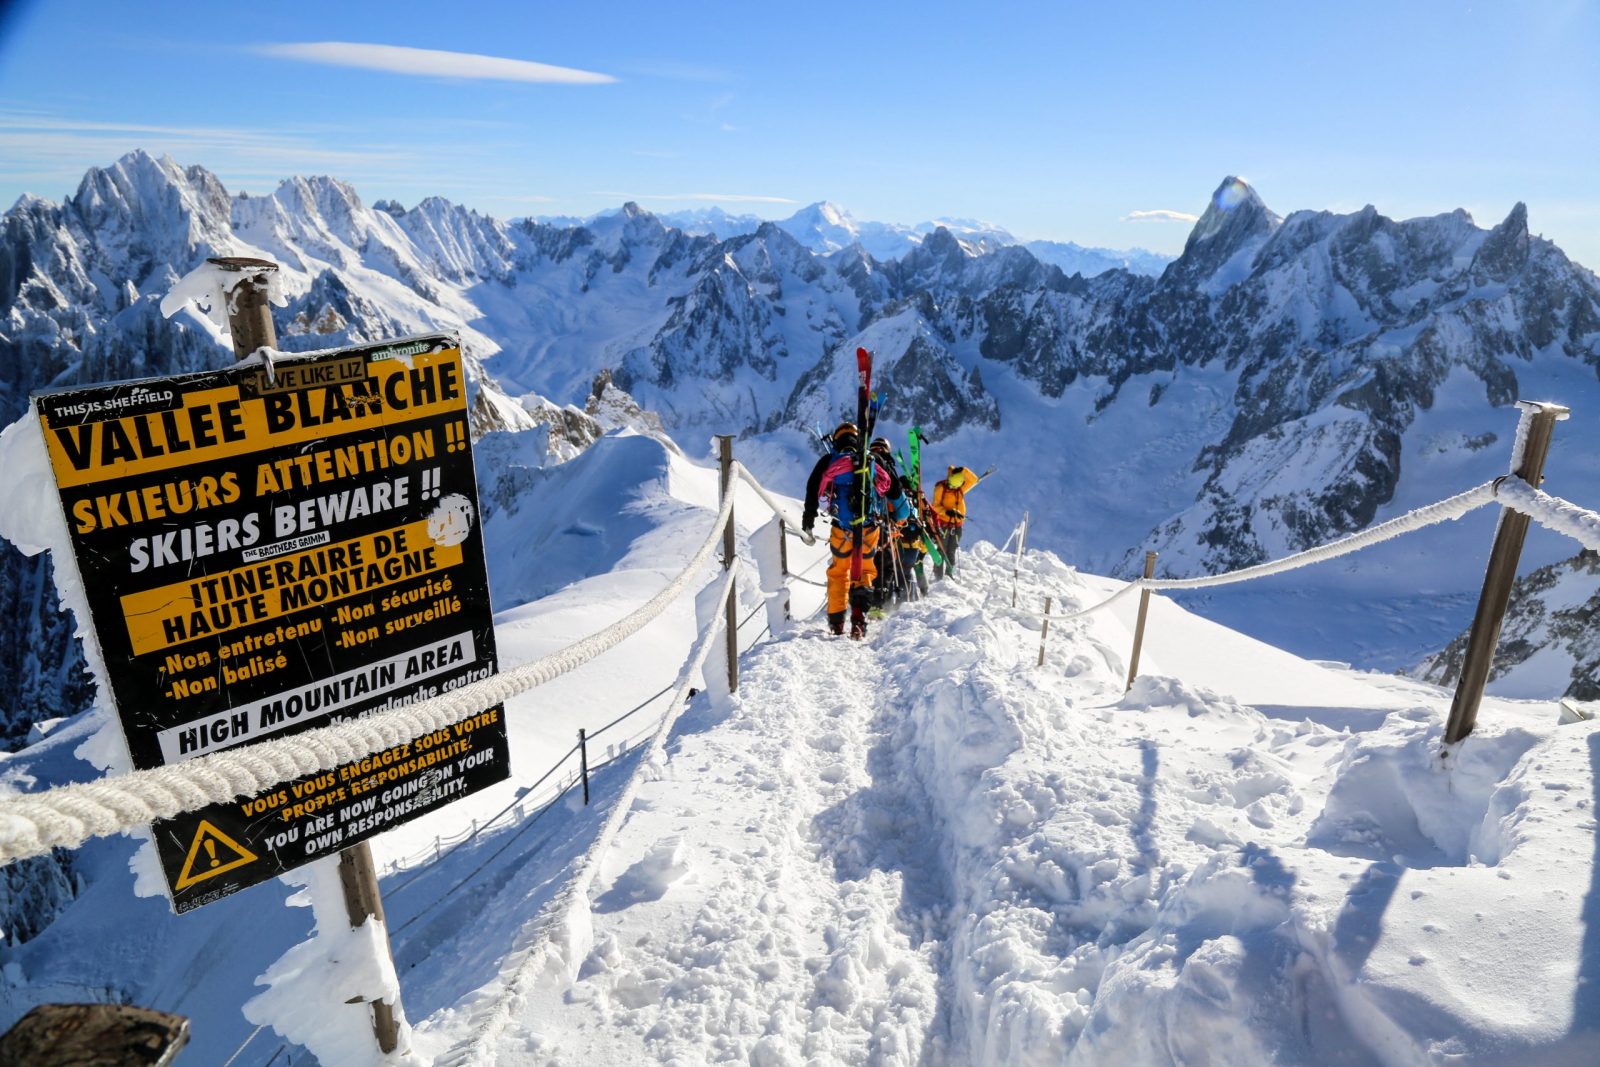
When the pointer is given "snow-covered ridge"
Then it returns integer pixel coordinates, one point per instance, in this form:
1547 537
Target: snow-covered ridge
928 850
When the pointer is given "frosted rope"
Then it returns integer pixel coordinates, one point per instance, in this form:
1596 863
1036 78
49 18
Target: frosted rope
1562 516
1106 603
1450 508
771 502
67 816
1010 538
543 938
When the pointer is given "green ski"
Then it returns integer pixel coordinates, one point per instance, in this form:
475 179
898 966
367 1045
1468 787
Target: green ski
929 544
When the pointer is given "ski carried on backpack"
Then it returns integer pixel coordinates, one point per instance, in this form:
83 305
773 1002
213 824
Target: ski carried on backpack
929 544
863 486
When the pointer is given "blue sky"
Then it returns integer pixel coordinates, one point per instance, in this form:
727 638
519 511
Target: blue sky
1055 120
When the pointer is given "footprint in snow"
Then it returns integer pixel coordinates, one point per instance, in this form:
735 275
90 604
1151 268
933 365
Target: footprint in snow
649 878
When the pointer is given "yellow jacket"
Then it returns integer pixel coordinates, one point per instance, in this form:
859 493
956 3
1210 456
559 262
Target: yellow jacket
950 502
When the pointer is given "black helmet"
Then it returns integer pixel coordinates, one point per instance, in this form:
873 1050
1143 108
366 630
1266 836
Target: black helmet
880 444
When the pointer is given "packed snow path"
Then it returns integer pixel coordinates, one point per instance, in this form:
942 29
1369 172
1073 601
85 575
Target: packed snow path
772 897
922 849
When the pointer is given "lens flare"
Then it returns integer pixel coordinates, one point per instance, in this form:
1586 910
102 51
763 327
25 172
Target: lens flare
1232 193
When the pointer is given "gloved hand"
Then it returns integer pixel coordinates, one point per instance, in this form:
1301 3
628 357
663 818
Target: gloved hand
805 529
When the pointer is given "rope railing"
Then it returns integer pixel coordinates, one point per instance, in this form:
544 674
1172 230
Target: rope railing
424 858
1551 512
1443 511
790 526
67 816
429 856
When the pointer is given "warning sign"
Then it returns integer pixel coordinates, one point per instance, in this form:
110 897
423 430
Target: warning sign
204 861
271 552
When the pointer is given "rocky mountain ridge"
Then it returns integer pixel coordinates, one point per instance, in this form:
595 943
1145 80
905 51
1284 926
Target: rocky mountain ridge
1286 380
825 227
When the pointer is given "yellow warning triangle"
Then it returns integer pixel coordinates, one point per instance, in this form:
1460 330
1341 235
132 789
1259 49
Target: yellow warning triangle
205 852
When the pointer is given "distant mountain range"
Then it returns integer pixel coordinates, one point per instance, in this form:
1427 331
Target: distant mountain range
1284 381
824 227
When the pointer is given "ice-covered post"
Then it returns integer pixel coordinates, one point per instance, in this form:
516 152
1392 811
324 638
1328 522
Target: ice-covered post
362 902
1044 632
783 547
1138 627
250 326
1534 432
249 311
583 762
725 454
1016 568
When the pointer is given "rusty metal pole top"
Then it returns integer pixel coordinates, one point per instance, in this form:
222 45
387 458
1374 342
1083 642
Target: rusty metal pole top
242 263
249 309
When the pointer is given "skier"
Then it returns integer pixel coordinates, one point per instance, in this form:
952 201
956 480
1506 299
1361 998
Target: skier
833 486
950 513
889 587
911 553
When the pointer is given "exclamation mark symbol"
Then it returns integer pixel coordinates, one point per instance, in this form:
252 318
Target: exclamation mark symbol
455 436
430 483
211 850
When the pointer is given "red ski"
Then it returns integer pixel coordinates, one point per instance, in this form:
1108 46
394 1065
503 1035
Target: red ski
863 470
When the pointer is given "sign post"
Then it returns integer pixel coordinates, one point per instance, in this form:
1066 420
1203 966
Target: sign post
279 546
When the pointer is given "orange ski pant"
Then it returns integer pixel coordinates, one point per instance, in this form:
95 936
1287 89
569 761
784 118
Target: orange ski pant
843 545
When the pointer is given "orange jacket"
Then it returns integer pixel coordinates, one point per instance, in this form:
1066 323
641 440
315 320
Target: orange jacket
950 502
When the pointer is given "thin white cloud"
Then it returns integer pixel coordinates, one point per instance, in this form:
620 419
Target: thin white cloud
726 198
1160 215
432 63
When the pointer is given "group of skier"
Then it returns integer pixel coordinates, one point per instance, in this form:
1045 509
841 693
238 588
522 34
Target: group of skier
883 525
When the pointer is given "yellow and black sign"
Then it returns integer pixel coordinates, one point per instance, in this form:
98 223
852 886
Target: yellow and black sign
270 551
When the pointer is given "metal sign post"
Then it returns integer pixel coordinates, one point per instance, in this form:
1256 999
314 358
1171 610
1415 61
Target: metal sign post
250 325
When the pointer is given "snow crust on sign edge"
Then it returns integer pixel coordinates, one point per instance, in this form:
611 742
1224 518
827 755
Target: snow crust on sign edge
35 523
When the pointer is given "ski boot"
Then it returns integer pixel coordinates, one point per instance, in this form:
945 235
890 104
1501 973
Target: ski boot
836 623
860 601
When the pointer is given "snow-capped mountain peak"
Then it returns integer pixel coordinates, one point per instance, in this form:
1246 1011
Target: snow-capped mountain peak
1235 225
148 211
